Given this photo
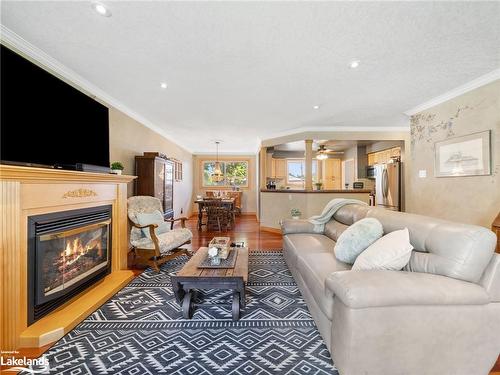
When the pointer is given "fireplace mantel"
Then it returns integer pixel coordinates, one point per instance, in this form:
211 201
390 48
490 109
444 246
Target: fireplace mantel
26 191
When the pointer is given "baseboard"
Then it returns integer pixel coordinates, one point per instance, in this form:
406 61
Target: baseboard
270 229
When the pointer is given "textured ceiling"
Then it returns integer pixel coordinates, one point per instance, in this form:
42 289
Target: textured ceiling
240 71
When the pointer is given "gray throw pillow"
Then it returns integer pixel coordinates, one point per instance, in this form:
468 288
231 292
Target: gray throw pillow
155 217
355 239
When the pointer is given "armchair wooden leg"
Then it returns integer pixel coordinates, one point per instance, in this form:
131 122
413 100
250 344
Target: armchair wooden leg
134 257
154 265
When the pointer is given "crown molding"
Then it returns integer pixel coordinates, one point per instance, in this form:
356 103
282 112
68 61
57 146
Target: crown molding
474 84
11 39
333 129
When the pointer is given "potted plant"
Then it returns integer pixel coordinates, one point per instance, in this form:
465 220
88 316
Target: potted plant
116 167
318 185
295 213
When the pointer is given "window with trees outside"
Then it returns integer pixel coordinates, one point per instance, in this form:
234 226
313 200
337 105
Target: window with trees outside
235 174
296 171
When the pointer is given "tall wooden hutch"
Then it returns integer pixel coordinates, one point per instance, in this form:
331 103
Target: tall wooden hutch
155 177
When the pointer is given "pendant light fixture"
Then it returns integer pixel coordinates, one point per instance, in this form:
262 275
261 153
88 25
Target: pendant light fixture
217 175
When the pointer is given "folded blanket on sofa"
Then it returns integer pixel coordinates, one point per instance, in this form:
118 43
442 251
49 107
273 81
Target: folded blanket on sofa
331 207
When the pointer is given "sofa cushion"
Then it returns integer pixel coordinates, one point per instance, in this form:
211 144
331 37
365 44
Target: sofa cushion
391 252
314 269
381 288
334 229
351 213
355 239
289 226
445 248
299 244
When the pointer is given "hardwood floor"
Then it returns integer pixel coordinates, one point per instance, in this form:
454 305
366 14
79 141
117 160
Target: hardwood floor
247 230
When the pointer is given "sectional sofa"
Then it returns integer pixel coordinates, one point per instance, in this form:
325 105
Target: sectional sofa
440 315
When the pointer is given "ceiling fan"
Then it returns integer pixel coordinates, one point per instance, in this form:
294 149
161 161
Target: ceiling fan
323 152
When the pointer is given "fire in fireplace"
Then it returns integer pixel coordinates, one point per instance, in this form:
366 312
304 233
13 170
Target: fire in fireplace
70 256
68 252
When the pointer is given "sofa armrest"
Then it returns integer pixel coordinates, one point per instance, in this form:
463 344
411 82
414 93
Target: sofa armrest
361 289
289 226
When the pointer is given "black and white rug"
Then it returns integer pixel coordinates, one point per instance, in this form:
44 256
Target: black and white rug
140 330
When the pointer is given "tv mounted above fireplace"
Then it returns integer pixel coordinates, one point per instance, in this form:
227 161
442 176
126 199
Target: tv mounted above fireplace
47 122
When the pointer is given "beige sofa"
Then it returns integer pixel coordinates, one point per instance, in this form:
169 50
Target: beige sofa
441 315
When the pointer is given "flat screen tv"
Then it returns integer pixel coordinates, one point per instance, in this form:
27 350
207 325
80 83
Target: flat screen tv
47 122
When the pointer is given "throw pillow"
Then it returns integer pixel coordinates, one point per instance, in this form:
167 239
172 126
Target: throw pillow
155 217
357 238
391 252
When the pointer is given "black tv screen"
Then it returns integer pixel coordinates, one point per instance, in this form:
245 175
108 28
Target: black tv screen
47 122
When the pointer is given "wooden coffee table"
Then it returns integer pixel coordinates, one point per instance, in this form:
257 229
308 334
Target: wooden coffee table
190 277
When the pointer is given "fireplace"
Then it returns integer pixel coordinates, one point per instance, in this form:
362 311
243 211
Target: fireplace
68 252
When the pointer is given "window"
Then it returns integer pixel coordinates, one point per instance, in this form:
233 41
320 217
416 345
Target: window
208 169
235 174
296 171
177 169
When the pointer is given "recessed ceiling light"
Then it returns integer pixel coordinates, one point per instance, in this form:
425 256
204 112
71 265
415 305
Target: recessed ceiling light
354 64
163 85
101 9
316 106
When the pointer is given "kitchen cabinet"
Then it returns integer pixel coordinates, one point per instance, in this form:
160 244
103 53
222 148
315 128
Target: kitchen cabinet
278 168
384 156
332 176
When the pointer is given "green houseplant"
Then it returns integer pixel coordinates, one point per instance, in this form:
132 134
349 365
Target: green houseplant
318 185
116 167
295 213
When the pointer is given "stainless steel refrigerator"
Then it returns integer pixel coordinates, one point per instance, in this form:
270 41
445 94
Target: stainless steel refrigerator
388 185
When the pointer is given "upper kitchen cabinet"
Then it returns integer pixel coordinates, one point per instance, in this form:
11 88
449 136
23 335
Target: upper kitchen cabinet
384 156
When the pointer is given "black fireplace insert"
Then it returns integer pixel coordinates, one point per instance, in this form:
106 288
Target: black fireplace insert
68 251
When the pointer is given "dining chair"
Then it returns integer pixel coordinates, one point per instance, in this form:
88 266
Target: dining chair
237 201
218 215
210 194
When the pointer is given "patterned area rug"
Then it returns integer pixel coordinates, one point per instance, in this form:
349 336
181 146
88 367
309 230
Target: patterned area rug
140 330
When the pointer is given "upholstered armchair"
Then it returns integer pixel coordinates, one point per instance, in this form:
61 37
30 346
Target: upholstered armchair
153 238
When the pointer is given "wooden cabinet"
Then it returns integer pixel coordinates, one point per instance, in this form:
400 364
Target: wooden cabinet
332 176
278 168
495 227
384 156
155 177
371 159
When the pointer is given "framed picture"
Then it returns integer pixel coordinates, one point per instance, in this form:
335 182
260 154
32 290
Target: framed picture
469 155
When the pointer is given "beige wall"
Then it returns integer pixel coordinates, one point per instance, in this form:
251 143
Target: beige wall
249 196
384 145
129 138
475 199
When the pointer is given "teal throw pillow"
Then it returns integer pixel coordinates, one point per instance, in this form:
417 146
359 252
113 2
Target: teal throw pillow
355 239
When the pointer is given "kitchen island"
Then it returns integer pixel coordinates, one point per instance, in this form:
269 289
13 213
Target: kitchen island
276 205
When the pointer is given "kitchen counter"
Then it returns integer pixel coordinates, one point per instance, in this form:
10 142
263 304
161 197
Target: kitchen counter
345 191
275 205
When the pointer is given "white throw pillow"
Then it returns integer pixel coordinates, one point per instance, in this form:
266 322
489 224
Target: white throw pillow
155 217
355 239
391 252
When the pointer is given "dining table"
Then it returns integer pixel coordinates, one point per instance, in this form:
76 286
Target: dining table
229 202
